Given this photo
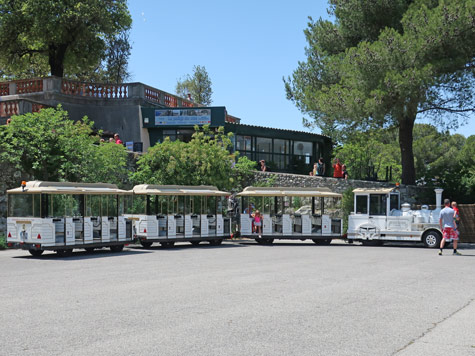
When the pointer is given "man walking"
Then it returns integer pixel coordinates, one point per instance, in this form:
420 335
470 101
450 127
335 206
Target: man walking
447 226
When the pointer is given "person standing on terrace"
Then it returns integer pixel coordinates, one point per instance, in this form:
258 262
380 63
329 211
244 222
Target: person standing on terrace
117 139
337 169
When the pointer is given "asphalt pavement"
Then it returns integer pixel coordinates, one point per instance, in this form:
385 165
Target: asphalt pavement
240 298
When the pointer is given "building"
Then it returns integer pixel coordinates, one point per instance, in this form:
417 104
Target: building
283 150
145 115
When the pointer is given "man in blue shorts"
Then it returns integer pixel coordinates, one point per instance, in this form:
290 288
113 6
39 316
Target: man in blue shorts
447 226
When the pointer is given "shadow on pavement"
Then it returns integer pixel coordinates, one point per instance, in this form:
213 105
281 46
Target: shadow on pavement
184 246
82 255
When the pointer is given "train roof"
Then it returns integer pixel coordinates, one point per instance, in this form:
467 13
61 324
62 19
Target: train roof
289 191
375 190
202 190
68 188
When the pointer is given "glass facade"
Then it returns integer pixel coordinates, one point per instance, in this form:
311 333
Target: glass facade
280 154
283 150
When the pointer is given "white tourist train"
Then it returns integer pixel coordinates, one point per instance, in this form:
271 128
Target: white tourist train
173 213
291 214
62 216
378 217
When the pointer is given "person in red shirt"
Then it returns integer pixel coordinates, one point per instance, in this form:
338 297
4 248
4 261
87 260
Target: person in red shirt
117 139
337 169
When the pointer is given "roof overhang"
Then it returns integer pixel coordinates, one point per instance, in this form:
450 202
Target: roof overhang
375 190
38 187
288 191
199 190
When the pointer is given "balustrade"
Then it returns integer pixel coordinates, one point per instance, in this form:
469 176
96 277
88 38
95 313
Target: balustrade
9 108
4 89
95 90
152 95
29 86
170 100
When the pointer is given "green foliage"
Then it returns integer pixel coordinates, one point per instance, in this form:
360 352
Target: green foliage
63 36
3 242
48 146
243 172
385 63
108 163
204 160
197 85
441 159
347 205
375 148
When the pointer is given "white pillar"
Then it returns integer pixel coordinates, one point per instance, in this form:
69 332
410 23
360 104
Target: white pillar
438 198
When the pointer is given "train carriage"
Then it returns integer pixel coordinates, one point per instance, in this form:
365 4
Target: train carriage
173 213
291 214
62 216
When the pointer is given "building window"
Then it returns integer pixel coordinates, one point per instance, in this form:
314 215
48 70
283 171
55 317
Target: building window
281 146
302 148
170 133
184 135
243 143
263 144
281 161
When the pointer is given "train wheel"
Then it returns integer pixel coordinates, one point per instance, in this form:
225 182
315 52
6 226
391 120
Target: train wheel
216 242
146 244
89 249
268 241
260 241
167 244
195 243
117 248
432 238
36 253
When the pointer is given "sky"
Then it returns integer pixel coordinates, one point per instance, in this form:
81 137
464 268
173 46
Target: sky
247 47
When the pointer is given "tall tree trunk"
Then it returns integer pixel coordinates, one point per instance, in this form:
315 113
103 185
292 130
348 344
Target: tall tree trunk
406 127
56 56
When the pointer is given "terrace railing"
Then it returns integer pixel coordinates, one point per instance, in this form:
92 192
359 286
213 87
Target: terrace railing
107 91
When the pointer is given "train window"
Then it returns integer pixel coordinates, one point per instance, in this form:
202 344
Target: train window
196 204
211 205
333 207
162 205
93 205
361 204
288 209
180 208
393 202
268 205
24 205
377 204
135 204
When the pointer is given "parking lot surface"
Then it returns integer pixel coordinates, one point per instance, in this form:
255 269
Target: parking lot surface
241 298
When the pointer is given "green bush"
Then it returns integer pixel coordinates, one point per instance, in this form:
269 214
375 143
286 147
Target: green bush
347 206
3 242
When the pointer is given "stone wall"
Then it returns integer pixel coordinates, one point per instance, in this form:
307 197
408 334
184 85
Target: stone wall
409 194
